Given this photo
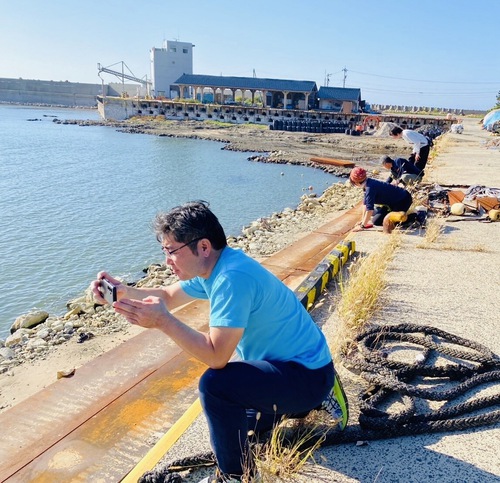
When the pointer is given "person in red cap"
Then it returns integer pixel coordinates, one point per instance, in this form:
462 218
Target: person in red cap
386 196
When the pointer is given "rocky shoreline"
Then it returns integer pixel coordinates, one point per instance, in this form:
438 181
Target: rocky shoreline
37 334
280 147
46 344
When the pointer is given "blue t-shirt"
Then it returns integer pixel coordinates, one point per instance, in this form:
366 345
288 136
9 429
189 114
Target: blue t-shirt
243 294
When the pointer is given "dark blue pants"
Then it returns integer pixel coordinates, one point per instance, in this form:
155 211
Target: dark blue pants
253 395
382 210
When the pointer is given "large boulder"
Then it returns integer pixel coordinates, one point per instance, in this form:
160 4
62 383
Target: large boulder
30 320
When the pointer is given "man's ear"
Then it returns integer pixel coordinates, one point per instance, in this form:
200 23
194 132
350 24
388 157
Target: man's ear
205 247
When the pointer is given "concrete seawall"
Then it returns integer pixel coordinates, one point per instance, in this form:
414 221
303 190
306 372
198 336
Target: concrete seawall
26 91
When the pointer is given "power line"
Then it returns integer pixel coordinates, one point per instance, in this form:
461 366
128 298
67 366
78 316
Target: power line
441 93
431 81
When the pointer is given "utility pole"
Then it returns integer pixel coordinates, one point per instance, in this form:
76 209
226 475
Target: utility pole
345 75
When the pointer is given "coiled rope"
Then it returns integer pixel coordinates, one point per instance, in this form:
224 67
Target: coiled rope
468 366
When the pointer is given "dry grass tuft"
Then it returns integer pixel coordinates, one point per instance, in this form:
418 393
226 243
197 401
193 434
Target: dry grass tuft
286 452
361 293
454 248
419 195
433 230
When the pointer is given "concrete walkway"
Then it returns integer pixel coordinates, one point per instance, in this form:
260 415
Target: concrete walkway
453 285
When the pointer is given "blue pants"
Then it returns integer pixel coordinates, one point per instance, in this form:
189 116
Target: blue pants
382 210
232 398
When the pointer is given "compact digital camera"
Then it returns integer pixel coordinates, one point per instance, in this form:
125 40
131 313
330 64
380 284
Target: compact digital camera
108 291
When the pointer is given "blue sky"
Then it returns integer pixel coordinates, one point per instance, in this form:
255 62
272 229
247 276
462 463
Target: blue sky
438 53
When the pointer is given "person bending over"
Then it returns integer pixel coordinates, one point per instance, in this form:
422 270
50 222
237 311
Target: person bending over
420 144
283 364
402 171
379 200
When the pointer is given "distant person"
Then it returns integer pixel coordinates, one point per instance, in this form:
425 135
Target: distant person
380 199
420 144
284 365
402 171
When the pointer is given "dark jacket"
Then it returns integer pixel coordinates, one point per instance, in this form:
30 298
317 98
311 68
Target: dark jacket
401 166
380 193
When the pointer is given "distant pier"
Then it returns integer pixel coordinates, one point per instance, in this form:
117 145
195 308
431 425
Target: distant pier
120 108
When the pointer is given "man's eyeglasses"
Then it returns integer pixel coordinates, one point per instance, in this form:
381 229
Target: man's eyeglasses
169 253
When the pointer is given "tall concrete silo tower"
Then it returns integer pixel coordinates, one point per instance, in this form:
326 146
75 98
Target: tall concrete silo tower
168 64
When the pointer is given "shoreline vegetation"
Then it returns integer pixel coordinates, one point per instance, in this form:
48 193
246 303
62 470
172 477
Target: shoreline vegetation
46 347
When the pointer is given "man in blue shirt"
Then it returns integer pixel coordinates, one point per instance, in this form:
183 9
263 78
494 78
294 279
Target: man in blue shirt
402 171
284 365
379 200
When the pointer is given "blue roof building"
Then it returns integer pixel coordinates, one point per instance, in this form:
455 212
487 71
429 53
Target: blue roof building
293 94
339 99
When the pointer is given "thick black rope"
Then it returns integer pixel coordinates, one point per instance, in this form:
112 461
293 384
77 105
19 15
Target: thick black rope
468 366
168 473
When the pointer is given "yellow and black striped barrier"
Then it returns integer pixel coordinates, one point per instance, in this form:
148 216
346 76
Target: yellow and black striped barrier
312 287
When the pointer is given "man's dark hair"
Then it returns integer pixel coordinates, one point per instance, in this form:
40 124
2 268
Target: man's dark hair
386 159
188 222
396 131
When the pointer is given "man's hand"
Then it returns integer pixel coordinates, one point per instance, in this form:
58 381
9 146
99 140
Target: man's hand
150 313
360 226
94 287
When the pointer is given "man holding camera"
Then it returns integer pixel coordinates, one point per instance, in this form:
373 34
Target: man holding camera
283 363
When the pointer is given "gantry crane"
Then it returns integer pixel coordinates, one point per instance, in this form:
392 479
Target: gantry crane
122 75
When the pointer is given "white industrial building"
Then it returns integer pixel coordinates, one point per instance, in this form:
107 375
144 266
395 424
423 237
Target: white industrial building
168 64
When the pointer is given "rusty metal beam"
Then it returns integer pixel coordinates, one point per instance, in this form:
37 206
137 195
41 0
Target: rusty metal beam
96 425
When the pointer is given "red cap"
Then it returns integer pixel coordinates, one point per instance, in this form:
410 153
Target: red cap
358 175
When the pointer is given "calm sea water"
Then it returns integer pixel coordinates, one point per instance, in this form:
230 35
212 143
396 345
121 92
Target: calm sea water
75 200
